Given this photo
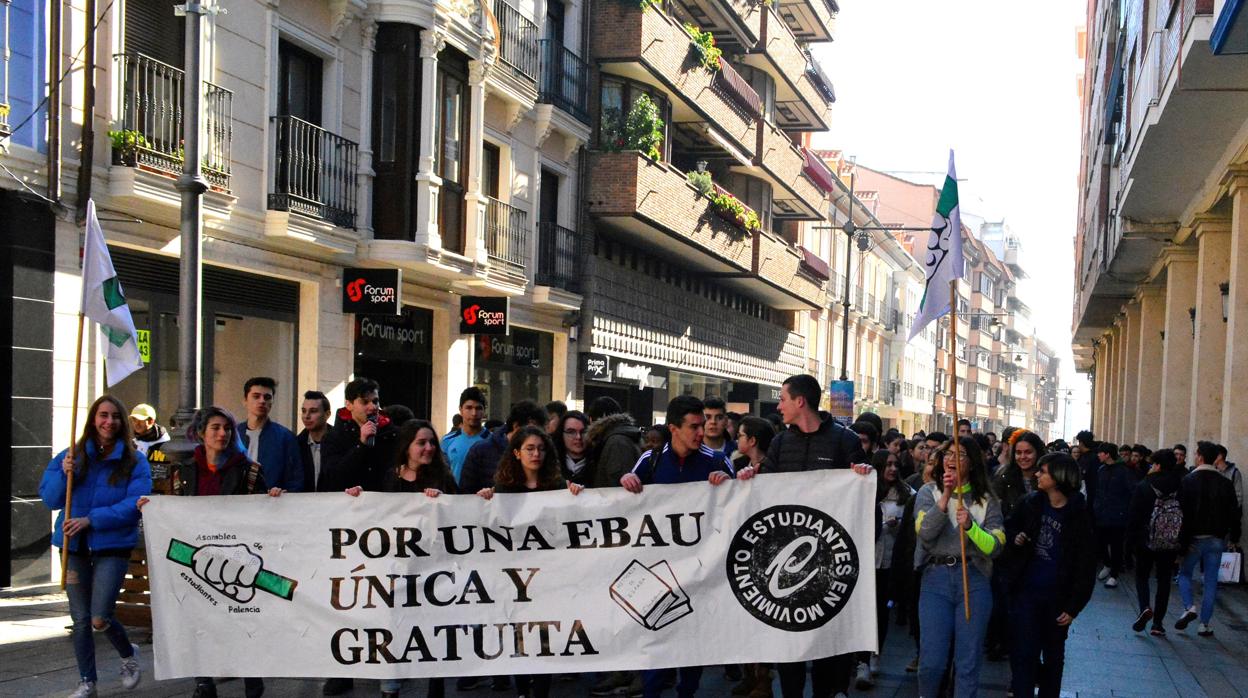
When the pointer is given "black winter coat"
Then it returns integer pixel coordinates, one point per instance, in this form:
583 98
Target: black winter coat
1115 482
345 462
1209 506
831 446
1140 512
1076 566
482 461
1009 487
613 446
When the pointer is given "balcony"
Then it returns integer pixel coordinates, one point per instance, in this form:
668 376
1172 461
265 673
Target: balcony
517 41
654 48
653 203
313 172
783 164
560 251
148 131
803 98
564 80
785 283
809 20
506 234
738 21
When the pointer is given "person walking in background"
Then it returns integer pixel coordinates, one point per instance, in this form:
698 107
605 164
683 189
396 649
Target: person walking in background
611 445
1232 472
1154 529
941 521
421 469
110 476
1051 570
1180 455
1114 486
268 443
469 432
1089 463
1210 519
1015 479
314 414
891 497
147 431
555 409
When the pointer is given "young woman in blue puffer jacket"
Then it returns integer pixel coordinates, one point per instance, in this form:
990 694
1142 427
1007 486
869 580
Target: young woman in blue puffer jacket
101 530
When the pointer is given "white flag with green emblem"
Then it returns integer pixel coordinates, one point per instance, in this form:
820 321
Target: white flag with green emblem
104 303
942 257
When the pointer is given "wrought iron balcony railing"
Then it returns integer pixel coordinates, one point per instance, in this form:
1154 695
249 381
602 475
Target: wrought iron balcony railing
313 172
564 79
517 41
148 130
506 233
559 254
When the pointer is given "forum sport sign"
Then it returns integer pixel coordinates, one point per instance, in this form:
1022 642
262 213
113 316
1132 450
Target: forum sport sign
400 585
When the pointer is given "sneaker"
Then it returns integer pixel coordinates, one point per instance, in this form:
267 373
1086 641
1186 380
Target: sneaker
1186 619
1157 631
337 686
86 689
206 689
1111 583
863 681
1142 620
913 666
1204 630
1103 574
874 663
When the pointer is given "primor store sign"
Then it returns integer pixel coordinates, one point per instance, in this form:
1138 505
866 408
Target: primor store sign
400 585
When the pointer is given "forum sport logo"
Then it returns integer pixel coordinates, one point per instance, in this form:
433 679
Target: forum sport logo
792 567
355 290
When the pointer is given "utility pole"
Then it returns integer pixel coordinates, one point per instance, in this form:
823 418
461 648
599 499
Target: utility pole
192 186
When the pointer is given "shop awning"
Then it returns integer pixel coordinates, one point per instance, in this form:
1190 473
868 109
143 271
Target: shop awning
738 89
818 172
814 265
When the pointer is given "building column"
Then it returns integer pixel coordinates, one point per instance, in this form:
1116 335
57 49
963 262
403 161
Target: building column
428 183
365 173
475 246
1100 378
1213 237
1113 400
1152 305
1234 397
1176 362
1131 371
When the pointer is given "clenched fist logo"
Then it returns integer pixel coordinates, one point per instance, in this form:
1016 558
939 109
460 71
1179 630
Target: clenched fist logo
230 569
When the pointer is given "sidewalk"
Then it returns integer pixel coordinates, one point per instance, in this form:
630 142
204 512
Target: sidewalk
1103 657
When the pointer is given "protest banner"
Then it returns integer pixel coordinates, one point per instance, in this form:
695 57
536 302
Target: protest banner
780 568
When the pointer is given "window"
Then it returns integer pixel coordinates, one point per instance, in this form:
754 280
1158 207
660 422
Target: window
491 164
764 85
754 193
618 96
299 89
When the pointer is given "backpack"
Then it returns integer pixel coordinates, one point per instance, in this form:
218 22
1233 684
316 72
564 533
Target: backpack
1165 523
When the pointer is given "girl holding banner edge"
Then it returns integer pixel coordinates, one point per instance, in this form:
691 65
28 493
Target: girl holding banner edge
99 532
941 523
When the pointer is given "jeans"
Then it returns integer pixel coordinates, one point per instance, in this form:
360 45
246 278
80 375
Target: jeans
942 616
1145 559
1038 644
828 676
1208 552
1109 543
436 689
688 678
92 584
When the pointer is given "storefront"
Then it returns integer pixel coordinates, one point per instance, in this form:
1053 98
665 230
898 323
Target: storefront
513 367
250 325
641 389
397 352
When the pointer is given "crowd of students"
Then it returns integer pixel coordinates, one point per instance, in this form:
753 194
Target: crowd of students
1030 521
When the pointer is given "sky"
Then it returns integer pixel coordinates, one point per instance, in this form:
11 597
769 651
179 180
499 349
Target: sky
997 82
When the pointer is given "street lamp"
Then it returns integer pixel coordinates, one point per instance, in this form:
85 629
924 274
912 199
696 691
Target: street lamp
1225 289
1191 313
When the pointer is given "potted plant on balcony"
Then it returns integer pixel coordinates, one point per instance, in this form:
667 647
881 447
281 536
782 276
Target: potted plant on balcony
126 144
709 55
642 129
731 209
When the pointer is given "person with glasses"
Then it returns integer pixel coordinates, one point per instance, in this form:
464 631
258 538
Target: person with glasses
530 464
942 520
1050 571
571 448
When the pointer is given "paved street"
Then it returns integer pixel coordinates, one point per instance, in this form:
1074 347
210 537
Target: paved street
1104 657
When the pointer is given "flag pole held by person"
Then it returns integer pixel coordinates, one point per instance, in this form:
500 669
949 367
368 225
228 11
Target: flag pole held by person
103 303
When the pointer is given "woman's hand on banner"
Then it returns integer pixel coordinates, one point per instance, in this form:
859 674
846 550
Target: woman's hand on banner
746 473
631 482
863 468
354 491
486 493
276 492
139 504
432 493
718 477
574 488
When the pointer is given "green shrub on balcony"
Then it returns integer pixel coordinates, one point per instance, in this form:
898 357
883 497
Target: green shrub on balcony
709 55
126 144
701 181
641 130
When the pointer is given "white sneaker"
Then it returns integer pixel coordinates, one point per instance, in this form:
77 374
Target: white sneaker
1111 582
1204 630
86 689
863 680
1103 574
131 672
875 664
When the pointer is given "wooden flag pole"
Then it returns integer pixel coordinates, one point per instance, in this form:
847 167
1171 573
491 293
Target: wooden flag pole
957 443
73 430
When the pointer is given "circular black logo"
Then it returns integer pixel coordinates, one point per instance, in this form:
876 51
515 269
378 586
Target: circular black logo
792 567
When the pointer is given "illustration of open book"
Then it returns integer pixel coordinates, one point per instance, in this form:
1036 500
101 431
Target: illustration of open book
651 595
